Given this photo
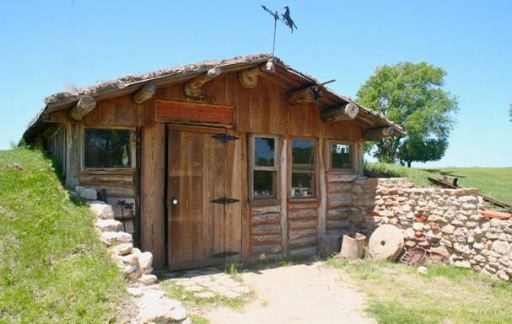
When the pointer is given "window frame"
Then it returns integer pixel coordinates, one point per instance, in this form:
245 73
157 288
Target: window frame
253 167
353 154
133 147
314 170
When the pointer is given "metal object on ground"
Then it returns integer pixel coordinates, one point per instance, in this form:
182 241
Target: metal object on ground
352 248
414 257
386 242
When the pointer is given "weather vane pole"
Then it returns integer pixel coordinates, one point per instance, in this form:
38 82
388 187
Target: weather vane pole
285 18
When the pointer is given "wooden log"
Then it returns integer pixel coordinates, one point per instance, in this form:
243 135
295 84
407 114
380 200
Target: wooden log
269 67
377 133
353 248
145 93
84 106
195 87
249 78
346 111
307 95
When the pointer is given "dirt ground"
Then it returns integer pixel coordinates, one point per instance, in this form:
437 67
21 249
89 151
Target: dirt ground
297 294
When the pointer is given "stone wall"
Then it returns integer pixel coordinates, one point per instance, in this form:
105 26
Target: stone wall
445 221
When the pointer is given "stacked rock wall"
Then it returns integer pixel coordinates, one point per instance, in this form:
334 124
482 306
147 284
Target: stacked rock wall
445 221
149 298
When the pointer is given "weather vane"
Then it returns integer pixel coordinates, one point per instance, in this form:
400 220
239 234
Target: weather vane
284 18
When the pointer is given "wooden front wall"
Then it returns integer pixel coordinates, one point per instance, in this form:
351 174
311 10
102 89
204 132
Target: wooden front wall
277 227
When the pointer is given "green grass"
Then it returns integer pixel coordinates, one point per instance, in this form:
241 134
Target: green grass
52 266
398 294
495 182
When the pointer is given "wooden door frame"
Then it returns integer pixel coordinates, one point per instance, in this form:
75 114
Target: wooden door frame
193 129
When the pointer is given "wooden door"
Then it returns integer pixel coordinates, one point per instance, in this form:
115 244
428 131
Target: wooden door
203 229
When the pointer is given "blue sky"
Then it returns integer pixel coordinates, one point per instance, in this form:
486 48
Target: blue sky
48 46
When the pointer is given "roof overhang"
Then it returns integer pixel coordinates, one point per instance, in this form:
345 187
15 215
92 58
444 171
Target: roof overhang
373 123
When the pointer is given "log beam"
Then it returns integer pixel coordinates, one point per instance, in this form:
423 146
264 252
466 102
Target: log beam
375 134
195 87
249 78
84 106
307 95
346 111
145 93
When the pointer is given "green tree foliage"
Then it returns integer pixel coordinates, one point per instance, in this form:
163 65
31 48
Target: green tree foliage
411 95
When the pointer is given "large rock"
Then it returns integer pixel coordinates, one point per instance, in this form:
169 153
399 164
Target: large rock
115 238
156 308
146 262
386 243
86 193
108 225
101 210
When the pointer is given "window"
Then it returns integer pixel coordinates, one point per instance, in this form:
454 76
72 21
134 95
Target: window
341 155
107 148
264 168
303 169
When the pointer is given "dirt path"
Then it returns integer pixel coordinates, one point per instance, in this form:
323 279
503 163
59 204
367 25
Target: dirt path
297 294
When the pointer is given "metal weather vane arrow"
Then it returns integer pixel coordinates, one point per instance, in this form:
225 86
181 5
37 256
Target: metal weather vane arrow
284 18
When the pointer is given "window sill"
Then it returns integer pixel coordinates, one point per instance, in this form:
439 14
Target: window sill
128 171
303 200
264 202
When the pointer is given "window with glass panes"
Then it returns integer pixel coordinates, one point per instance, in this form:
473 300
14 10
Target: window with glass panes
341 155
264 167
303 175
107 148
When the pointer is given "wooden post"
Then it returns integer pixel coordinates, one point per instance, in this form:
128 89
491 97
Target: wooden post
346 111
84 106
145 93
377 133
195 87
308 95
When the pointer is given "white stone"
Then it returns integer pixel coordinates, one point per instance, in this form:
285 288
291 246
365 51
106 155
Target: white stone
108 225
501 247
114 238
134 291
502 275
101 209
86 193
480 258
418 226
422 270
145 261
148 279
448 229
123 249
462 264
155 309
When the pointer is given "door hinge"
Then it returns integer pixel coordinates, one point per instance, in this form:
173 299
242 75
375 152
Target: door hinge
224 137
225 254
224 200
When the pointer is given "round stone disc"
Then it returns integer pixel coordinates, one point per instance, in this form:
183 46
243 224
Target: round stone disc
386 243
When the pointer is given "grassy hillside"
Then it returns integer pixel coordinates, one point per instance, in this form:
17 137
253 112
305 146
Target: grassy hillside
52 267
495 182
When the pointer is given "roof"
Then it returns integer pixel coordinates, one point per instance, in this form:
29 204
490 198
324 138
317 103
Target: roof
131 83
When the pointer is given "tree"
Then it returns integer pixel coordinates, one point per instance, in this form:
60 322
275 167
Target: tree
411 95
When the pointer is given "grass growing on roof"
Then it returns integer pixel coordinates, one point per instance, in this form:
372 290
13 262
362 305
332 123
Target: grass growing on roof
52 266
446 294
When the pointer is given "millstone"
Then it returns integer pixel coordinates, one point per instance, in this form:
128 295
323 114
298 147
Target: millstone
386 243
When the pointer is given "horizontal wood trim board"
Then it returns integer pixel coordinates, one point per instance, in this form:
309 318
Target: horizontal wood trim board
193 112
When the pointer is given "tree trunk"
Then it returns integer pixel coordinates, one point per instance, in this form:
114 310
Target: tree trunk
408 164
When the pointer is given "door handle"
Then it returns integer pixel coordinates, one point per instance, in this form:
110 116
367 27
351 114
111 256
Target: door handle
174 201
